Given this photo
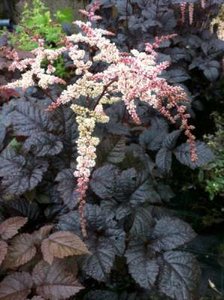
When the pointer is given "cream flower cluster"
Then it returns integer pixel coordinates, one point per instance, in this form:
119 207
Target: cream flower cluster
86 148
34 72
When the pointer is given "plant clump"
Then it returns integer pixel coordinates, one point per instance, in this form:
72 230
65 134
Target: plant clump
134 76
87 159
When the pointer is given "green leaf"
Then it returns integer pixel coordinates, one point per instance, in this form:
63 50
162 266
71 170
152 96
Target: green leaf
65 15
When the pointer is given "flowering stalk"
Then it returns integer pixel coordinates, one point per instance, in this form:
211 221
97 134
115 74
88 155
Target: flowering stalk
203 3
90 12
183 11
86 147
191 13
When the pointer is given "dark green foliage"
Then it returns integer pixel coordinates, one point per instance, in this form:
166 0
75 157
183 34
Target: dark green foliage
20 174
125 214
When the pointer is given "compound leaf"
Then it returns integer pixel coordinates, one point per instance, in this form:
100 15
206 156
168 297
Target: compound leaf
28 119
62 244
10 227
141 267
2 134
22 207
20 174
101 295
170 233
177 75
65 118
171 139
54 282
42 144
103 181
204 154
66 187
42 233
3 251
153 137
99 264
179 275
16 286
164 160
20 251
142 222
114 151
10 162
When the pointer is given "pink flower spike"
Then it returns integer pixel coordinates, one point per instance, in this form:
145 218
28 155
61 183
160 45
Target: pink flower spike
203 3
183 11
53 106
191 13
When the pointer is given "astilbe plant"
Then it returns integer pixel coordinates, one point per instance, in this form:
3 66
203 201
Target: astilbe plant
127 77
